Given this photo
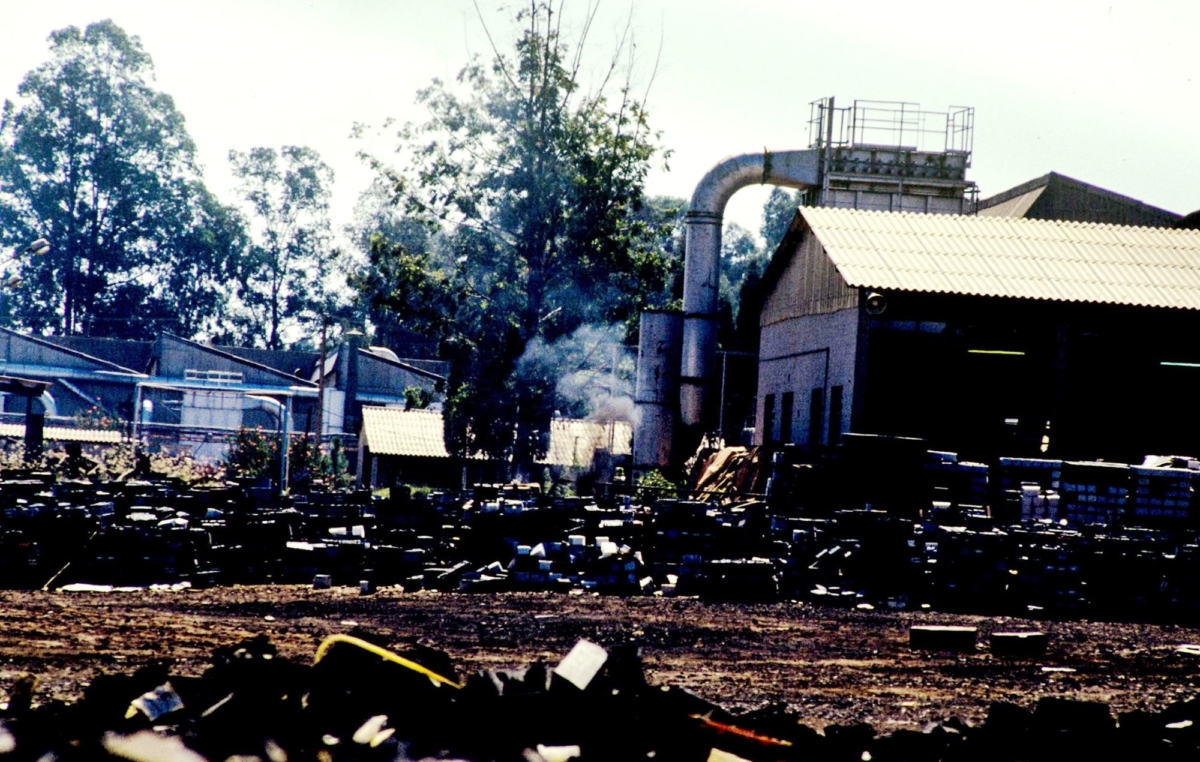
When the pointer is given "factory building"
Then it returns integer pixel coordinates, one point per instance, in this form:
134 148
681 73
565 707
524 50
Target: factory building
190 397
1052 318
870 155
986 335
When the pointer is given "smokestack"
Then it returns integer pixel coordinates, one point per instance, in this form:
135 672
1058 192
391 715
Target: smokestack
348 362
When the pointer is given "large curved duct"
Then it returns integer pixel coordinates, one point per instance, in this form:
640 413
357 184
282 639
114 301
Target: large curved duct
702 270
268 405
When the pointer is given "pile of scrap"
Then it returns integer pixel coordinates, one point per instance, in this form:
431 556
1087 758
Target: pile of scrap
730 473
364 700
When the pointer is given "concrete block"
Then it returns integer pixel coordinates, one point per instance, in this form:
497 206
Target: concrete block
582 664
936 637
1018 644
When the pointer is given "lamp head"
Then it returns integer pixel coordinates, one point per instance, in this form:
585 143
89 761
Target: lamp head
876 303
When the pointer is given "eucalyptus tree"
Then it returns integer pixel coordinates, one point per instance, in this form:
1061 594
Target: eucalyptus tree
535 186
96 159
284 281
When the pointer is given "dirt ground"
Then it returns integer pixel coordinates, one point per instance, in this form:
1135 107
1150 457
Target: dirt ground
829 665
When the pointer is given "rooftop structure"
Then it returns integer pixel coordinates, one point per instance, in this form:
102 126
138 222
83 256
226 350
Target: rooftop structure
1058 197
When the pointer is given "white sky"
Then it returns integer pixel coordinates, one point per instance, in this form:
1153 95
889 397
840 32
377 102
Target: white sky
1100 91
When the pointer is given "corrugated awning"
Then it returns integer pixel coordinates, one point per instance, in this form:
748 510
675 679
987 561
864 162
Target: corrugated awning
64 434
419 434
405 433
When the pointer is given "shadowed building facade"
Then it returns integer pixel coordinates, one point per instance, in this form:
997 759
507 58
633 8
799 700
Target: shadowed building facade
983 335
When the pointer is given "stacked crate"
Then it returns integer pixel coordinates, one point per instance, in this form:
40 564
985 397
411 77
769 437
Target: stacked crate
958 483
1161 496
1011 473
1094 493
1009 477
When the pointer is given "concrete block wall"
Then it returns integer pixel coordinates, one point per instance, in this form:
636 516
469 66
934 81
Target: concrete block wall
800 355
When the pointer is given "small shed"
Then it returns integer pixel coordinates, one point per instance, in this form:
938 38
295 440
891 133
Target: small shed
410 445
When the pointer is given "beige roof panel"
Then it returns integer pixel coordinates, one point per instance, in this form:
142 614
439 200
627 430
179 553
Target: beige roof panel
1011 257
64 434
419 434
407 433
574 442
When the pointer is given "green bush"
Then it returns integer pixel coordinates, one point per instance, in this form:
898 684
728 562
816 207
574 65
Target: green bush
252 452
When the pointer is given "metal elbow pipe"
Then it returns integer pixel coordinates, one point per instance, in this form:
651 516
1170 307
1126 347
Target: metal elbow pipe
702 257
266 404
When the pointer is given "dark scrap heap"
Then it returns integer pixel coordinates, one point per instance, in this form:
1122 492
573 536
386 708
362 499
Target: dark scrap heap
879 523
361 700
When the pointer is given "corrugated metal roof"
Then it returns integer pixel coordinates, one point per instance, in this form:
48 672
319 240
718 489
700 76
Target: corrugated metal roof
1009 257
409 433
64 434
574 442
1017 206
419 434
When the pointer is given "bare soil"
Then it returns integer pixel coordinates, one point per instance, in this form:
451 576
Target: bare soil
829 665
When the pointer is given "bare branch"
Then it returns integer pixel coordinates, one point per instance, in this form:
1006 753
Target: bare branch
495 50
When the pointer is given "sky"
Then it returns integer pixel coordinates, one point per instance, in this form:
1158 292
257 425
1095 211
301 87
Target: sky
1105 92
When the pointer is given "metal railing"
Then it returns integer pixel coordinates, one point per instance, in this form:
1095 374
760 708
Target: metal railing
897 125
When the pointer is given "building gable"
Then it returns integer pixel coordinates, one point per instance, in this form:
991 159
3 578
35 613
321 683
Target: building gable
804 281
182 359
19 350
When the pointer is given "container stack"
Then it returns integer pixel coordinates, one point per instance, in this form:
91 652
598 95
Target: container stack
1161 496
1094 493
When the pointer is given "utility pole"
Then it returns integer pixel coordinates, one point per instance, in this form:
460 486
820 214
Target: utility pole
321 389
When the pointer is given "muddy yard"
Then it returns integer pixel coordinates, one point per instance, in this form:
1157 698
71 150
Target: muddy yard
830 665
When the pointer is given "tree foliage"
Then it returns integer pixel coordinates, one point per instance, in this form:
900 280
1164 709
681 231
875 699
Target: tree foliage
284 278
535 189
387 236
97 160
777 215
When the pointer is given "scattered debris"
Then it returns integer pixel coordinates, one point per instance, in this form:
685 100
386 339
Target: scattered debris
363 700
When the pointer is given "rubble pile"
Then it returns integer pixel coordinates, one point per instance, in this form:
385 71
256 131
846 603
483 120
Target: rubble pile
361 700
882 522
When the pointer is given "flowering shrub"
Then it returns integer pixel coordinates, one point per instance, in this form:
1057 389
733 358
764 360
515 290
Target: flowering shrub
95 418
252 452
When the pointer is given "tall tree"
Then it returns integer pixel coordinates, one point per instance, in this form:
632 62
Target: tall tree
777 215
537 187
378 225
284 281
97 160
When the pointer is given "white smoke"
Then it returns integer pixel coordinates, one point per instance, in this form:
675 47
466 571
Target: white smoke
592 370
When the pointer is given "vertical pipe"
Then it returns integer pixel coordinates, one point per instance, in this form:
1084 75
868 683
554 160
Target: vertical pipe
657 389
350 368
701 287
286 416
828 151
137 413
320 392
